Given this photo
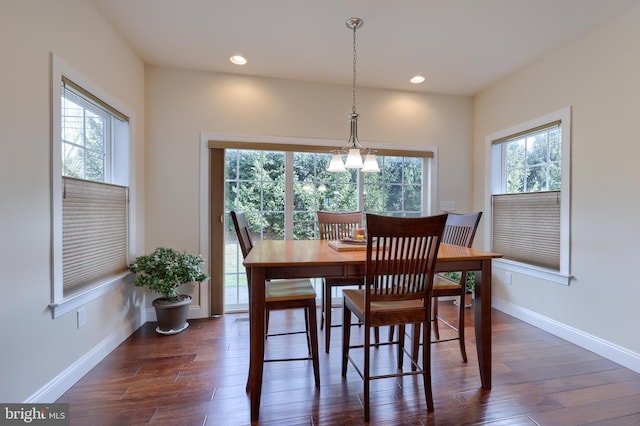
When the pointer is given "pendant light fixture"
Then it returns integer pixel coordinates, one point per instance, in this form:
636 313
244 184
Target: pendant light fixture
354 149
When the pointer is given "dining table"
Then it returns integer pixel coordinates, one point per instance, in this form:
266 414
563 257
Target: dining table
274 259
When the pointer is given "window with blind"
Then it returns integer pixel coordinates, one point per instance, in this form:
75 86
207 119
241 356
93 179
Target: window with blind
94 232
530 196
90 175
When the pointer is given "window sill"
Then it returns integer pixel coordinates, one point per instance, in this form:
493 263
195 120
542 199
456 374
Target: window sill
533 271
76 300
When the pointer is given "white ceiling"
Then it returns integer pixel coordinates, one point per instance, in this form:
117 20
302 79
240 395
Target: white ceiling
460 46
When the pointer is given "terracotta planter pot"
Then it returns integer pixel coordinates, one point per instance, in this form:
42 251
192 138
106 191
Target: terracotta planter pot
172 313
468 300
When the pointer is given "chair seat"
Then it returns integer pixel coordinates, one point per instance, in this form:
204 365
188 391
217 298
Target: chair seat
357 299
294 289
443 284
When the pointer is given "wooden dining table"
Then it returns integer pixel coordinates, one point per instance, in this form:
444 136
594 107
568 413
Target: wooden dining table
273 259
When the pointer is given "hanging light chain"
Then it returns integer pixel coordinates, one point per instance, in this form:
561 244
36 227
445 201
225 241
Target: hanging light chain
355 58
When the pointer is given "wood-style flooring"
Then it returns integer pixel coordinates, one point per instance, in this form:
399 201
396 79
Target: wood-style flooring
198 377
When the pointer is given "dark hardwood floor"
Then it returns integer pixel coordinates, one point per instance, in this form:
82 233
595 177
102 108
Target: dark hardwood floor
198 377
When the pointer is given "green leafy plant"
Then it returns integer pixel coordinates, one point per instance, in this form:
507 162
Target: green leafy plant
166 269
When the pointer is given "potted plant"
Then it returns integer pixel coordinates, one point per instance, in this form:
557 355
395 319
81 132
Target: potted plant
163 271
469 285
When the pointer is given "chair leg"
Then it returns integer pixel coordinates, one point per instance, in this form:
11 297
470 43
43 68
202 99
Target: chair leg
461 308
312 335
415 344
346 336
401 330
266 322
436 331
366 372
327 316
324 284
247 388
392 329
307 324
426 363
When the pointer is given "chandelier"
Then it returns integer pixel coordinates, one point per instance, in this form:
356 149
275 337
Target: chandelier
353 149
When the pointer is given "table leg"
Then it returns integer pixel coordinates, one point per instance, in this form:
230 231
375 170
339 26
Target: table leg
256 347
482 315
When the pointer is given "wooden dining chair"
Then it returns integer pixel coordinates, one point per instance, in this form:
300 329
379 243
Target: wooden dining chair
335 226
284 294
400 262
459 230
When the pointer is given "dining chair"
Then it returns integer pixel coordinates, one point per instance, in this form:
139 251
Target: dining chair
459 230
284 294
335 226
400 262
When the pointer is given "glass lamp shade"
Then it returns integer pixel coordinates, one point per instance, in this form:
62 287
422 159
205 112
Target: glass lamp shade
370 164
354 159
336 164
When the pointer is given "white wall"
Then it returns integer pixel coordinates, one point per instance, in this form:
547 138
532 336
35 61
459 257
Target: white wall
181 104
599 76
39 355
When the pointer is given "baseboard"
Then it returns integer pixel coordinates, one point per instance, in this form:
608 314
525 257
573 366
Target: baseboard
611 351
63 381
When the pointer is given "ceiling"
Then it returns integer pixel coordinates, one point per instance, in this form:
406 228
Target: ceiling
460 46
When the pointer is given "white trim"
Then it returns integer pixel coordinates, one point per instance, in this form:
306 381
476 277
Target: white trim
532 271
57 386
430 183
602 347
492 176
203 310
75 301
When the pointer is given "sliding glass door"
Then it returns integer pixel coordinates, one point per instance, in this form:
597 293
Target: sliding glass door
281 192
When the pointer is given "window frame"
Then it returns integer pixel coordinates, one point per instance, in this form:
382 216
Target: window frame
495 185
122 173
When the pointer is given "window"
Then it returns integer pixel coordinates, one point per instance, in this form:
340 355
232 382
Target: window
530 196
398 189
90 175
258 181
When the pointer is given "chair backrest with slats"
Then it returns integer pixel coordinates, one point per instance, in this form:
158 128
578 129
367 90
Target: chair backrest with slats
461 228
242 231
401 257
338 225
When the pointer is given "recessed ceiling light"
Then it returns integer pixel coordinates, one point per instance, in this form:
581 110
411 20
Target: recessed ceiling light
238 60
416 79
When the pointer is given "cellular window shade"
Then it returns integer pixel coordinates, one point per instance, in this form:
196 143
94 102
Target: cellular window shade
526 227
95 232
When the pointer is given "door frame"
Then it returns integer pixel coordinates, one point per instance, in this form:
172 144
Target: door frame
211 223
